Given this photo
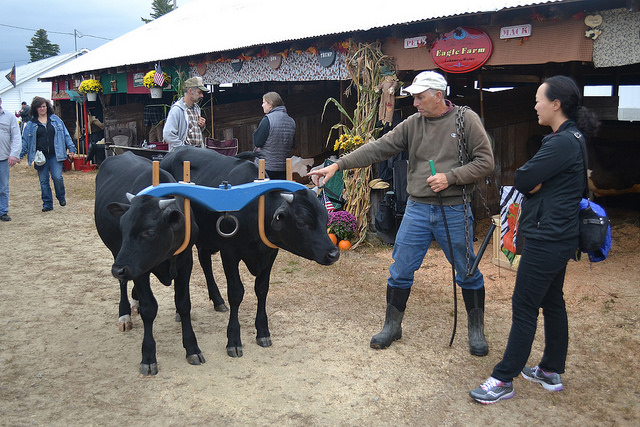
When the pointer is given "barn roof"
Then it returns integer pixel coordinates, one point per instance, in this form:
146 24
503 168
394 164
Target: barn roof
206 26
35 69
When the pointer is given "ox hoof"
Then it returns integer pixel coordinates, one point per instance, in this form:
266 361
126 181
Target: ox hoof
195 359
147 370
264 341
222 308
124 323
234 351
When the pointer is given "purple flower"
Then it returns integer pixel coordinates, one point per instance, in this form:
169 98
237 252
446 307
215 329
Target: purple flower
343 224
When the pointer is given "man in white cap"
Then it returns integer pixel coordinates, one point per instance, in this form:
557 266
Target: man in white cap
431 134
184 124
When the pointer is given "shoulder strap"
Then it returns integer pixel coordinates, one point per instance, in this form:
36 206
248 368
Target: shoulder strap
585 159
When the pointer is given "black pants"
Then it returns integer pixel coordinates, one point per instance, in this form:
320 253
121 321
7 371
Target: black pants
539 283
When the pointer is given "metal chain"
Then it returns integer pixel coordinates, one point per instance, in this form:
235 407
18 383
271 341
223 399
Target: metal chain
462 156
462 150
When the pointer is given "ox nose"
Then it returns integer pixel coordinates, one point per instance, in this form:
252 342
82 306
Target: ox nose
332 256
120 271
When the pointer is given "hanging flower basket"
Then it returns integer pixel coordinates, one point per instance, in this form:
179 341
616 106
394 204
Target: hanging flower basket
148 80
91 87
156 92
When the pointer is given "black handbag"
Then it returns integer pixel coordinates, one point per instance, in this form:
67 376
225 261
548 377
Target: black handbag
593 226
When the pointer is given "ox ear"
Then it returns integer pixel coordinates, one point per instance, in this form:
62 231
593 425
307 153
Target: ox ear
117 209
171 213
175 219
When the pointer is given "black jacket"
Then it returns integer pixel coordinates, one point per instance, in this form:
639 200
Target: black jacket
552 212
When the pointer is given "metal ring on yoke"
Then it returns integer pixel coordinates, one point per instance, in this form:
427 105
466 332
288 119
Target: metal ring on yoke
227 216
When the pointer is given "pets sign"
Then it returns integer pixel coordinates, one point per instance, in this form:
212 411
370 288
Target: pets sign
462 50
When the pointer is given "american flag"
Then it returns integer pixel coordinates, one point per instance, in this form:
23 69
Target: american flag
327 203
11 76
158 77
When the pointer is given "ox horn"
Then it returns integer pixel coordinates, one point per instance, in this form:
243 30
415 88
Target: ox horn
130 196
165 202
288 197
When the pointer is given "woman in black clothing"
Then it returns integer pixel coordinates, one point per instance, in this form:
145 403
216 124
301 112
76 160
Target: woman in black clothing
553 183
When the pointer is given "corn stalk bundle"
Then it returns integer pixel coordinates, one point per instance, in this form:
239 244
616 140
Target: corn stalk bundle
364 62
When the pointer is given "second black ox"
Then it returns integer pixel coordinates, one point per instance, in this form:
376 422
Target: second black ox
295 222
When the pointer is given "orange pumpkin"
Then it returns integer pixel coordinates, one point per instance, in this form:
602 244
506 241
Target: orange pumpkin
333 238
344 245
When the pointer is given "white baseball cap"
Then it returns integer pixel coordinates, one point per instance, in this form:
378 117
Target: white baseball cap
423 81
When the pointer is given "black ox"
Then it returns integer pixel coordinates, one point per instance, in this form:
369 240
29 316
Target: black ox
295 222
143 233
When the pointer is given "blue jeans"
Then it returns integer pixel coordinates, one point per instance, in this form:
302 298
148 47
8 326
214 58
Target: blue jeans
4 186
421 224
539 284
54 167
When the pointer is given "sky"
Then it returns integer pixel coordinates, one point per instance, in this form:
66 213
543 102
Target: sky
95 21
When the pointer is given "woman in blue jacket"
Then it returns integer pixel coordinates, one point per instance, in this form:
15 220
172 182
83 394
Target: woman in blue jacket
553 184
46 132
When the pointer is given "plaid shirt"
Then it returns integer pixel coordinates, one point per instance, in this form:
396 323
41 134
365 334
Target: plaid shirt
194 134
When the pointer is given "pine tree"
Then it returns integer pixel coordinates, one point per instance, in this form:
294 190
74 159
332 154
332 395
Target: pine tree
160 7
41 47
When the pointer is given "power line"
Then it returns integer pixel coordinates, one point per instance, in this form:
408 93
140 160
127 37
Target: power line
76 33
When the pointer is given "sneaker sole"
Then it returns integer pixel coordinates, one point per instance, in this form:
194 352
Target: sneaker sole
547 386
489 402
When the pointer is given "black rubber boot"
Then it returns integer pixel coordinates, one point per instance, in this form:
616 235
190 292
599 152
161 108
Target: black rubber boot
474 303
392 329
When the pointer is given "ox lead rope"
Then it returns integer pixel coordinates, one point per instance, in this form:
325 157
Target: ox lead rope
453 263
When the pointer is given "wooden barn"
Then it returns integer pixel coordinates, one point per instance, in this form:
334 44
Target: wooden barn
304 60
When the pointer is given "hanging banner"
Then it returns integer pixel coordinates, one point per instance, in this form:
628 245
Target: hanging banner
462 50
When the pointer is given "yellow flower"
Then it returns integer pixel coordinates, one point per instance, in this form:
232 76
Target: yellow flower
90 85
148 79
357 140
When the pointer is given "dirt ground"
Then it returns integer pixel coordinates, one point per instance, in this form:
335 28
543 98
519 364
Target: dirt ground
64 362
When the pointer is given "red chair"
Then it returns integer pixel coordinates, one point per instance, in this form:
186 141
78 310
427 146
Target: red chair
228 147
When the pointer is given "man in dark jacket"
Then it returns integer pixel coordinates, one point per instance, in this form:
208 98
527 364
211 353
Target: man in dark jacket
23 114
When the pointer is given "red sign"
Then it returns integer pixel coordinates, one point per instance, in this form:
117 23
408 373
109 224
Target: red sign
461 50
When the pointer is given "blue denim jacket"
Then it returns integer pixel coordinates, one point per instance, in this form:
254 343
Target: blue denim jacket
61 140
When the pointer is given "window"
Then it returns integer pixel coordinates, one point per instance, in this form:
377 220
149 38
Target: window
628 99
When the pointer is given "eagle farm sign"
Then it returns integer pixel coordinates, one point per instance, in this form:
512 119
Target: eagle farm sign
461 50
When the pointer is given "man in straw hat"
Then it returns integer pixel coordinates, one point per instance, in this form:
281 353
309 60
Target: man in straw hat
431 134
184 124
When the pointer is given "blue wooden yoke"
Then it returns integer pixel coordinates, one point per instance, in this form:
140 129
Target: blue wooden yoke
226 198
